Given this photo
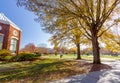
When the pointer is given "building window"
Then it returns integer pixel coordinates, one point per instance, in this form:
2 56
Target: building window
13 45
1 41
15 33
0 27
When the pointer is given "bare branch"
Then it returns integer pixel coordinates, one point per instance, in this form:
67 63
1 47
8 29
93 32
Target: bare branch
106 29
84 28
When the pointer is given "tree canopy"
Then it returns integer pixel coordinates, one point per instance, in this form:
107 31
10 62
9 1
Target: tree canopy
91 15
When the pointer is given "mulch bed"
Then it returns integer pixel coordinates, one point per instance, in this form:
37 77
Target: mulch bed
98 67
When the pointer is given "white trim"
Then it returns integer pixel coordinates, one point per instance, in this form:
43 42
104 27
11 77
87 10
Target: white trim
16 27
5 20
13 48
2 40
14 37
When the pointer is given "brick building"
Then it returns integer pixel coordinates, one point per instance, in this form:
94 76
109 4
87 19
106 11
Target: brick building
10 35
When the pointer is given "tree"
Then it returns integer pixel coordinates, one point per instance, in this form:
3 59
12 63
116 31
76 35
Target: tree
111 41
63 49
75 36
42 50
29 48
71 36
116 33
72 50
54 42
69 32
91 15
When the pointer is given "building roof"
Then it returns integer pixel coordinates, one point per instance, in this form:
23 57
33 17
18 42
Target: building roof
5 20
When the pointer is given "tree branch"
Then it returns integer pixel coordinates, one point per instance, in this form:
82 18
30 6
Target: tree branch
106 29
84 28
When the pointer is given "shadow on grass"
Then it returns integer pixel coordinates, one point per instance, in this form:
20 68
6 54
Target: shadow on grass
45 70
36 72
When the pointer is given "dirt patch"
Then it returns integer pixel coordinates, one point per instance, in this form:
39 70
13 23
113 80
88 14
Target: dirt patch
98 67
89 67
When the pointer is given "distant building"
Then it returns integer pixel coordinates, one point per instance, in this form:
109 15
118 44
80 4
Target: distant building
10 35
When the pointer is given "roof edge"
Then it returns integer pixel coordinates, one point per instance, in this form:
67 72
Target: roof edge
6 20
16 27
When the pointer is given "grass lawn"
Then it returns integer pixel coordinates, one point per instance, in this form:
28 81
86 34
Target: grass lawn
67 56
46 69
86 57
40 70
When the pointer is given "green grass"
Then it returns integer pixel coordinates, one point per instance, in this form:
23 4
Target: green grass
68 56
110 57
50 67
15 70
37 71
72 56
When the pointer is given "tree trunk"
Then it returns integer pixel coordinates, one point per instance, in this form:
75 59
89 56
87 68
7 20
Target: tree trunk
96 51
78 51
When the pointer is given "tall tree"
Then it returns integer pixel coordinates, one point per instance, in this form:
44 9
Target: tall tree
75 36
54 42
92 14
70 32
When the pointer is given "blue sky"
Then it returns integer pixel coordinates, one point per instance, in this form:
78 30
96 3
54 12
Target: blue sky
31 30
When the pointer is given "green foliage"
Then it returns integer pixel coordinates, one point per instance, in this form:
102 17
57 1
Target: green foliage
37 54
8 58
25 57
94 17
5 54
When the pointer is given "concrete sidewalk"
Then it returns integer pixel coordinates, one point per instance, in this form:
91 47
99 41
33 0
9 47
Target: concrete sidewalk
103 76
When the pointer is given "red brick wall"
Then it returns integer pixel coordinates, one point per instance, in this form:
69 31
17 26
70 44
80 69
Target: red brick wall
17 36
19 41
7 30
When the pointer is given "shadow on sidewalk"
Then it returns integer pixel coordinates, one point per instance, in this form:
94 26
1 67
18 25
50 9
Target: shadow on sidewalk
106 75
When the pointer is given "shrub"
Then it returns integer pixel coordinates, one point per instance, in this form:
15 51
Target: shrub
37 54
25 57
4 54
8 58
15 58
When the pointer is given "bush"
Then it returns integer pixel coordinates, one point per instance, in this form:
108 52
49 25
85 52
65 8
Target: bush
37 54
15 58
8 58
4 54
25 57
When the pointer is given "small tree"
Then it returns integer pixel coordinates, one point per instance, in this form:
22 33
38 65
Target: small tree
29 48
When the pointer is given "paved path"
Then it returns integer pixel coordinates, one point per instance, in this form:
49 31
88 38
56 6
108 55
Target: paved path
103 76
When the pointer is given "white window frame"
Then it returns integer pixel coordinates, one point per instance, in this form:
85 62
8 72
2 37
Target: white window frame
2 41
16 44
